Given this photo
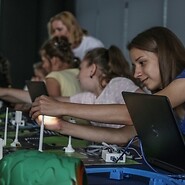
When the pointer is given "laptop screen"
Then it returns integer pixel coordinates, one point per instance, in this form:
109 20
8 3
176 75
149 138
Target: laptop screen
157 128
36 89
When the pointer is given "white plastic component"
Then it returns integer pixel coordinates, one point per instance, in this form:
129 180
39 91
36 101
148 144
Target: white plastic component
18 119
1 148
22 123
18 116
6 127
15 143
41 134
112 156
69 148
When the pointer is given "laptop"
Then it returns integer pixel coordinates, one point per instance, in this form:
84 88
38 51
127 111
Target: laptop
157 128
36 89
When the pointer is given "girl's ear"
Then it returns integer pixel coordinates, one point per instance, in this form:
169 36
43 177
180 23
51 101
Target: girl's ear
93 70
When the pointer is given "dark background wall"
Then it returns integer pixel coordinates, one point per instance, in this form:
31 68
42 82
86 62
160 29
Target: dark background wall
23 25
118 21
23 28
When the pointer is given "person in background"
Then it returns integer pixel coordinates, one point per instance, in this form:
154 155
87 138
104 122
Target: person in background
104 74
65 24
39 72
57 60
39 75
158 58
5 77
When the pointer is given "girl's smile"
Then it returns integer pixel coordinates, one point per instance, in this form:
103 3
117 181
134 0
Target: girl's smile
146 68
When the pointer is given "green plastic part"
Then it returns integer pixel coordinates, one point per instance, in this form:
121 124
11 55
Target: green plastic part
31 167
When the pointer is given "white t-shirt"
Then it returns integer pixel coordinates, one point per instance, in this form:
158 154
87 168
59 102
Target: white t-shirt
111 94
88 43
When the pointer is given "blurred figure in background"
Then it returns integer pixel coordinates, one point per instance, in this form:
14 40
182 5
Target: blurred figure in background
5 77
58 61
104 74
65 24
39 72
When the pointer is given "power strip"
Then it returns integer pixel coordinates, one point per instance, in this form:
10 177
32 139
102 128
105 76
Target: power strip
112 156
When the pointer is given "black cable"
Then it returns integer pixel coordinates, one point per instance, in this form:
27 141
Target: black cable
175 176
126 148
144 159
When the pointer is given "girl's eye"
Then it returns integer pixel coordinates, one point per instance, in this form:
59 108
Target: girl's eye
141 63
133 66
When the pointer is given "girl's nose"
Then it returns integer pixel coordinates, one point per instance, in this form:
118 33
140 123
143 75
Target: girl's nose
137 72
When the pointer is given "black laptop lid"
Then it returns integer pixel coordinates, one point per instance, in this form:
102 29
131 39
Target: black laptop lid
36 89
156 126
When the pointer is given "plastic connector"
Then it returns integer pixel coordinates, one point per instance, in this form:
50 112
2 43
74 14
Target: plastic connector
18 116
112 156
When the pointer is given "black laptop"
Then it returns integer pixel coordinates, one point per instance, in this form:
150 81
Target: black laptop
36 89
158 130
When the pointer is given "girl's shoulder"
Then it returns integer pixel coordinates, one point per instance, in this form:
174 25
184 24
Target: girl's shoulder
181 75
57 74
83 97
90 40
51 74
120 80
122 84
71 70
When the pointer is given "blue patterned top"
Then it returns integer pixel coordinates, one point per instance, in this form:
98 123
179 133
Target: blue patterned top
182 121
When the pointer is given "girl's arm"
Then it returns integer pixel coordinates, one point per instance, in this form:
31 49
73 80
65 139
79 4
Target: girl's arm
107 113
53 87
15 95
175 91
118 136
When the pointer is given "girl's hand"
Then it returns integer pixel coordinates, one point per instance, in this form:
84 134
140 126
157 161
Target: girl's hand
45 105
50 123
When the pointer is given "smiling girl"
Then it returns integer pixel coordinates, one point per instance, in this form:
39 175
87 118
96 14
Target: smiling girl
158 58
